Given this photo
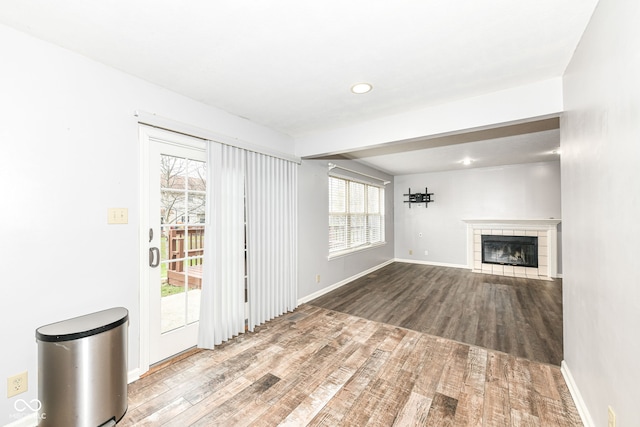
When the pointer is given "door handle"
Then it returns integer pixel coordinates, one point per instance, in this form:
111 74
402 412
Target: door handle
154 257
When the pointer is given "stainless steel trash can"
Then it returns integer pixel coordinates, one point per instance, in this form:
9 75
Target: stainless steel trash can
82 370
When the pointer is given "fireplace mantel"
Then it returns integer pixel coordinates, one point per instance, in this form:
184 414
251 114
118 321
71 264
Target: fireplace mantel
545 229
520 223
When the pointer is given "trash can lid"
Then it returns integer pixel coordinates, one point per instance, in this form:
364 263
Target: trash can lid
83 326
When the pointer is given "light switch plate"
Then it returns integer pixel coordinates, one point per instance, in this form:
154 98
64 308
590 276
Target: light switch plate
611 417
117 216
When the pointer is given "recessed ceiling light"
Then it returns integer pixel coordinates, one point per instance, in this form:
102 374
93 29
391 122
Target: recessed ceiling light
360 88
466 161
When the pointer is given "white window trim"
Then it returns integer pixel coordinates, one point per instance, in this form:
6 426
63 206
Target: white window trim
361 248
364 246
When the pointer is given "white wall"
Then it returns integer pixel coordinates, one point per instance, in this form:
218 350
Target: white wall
69 150
313 231
600 137
528 191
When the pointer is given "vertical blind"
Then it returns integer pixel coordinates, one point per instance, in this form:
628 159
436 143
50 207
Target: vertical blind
272 253
222 297
251 230
356 214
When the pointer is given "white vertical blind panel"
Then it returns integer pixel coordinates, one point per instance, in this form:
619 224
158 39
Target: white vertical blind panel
222 297
271 237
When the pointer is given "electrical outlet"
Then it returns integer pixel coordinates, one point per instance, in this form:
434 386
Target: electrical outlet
410 251
317 278
17 384
612 417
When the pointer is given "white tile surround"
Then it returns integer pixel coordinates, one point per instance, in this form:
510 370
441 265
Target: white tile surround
545 229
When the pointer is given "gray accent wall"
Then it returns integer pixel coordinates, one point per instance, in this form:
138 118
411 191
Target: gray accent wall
313 230
527 191
600 136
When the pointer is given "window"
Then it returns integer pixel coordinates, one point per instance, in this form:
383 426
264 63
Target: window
356 215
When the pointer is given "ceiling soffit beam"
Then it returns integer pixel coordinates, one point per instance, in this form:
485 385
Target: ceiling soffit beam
521 104
503 131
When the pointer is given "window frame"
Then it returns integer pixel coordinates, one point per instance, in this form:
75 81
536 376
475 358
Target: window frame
350 245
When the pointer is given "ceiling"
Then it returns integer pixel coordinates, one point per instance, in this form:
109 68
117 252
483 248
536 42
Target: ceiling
289 64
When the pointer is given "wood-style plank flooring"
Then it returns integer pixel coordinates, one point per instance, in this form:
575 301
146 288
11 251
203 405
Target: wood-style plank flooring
322 367
518 316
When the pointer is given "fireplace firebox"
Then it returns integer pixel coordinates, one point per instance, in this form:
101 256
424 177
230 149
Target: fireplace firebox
521 251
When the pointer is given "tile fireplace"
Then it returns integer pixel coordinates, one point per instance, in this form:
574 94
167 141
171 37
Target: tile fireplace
518 248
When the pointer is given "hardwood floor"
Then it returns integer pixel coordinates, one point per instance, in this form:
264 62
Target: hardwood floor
522 317
322 367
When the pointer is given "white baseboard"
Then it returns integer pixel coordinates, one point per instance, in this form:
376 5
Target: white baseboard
371 270
30 420
133 375
342 283
436 264
577 397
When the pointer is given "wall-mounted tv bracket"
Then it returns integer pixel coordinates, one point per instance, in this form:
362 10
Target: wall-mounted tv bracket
425 197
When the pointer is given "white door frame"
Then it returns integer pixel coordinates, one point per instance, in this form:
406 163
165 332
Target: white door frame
146 135
143 239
